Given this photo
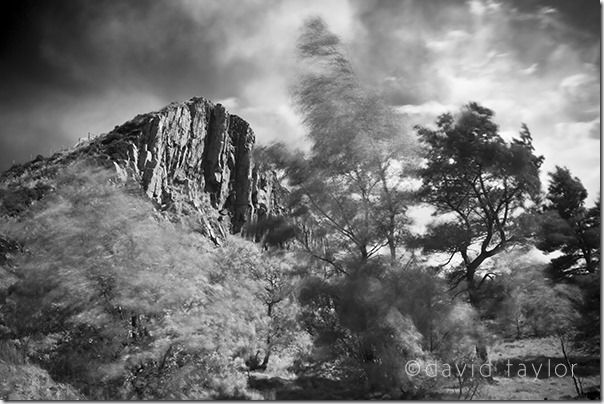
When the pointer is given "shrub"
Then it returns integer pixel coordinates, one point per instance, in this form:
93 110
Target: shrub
109 294
356 323
15 201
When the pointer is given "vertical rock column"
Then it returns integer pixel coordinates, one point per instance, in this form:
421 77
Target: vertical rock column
214 159
243 140
194 153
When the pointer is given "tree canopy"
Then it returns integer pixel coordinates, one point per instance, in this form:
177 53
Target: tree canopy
484 185
568 226
349 188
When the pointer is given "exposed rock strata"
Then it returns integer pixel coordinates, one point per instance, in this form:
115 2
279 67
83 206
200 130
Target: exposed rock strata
188 156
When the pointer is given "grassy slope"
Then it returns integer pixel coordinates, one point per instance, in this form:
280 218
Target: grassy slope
531 388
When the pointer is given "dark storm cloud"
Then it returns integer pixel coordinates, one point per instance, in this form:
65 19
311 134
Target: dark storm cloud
576 23
58 55
82 46
582 15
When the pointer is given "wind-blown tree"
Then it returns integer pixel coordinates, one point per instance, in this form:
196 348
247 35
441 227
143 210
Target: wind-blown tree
275 272
572 229
120 303
349 190
358 327
483 185
568 226
349 200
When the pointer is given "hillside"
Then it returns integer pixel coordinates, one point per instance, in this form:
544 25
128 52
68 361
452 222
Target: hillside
119 277
189 158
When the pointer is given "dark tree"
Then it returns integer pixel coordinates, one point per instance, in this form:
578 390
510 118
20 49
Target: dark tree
569 227
483 185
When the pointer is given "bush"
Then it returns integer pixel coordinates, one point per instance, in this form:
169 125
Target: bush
120 303
16 201
272 278
355 322
530 305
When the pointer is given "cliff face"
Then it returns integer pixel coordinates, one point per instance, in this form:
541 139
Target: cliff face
190 156
195 153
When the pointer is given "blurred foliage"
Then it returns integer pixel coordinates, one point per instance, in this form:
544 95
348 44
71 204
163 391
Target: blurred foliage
120 303
355 324
369 324
271 231
348 193
15 201
524 303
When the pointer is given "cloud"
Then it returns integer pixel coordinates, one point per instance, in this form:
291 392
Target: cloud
74 67
581 94
71 67
96 64
529 62
422 114
270 46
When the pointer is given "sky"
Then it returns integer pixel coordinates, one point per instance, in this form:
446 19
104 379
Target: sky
74 67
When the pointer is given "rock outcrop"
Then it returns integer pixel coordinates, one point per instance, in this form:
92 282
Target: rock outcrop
188 156
267 194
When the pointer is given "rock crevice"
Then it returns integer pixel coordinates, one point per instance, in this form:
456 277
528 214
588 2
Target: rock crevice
192 153
191 157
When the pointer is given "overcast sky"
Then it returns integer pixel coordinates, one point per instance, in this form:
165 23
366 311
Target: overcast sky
73 67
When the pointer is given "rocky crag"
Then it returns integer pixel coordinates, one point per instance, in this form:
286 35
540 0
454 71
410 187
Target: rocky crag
189 157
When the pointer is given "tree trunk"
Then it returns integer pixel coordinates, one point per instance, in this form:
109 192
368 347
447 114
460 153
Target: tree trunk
267 353
481 346
364 253
264 363
481 351
391 233
473 293
566 358
392 246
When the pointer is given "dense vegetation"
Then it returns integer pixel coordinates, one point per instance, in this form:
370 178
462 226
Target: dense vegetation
121 303
113 300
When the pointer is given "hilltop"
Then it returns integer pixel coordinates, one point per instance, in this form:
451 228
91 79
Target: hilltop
191 157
